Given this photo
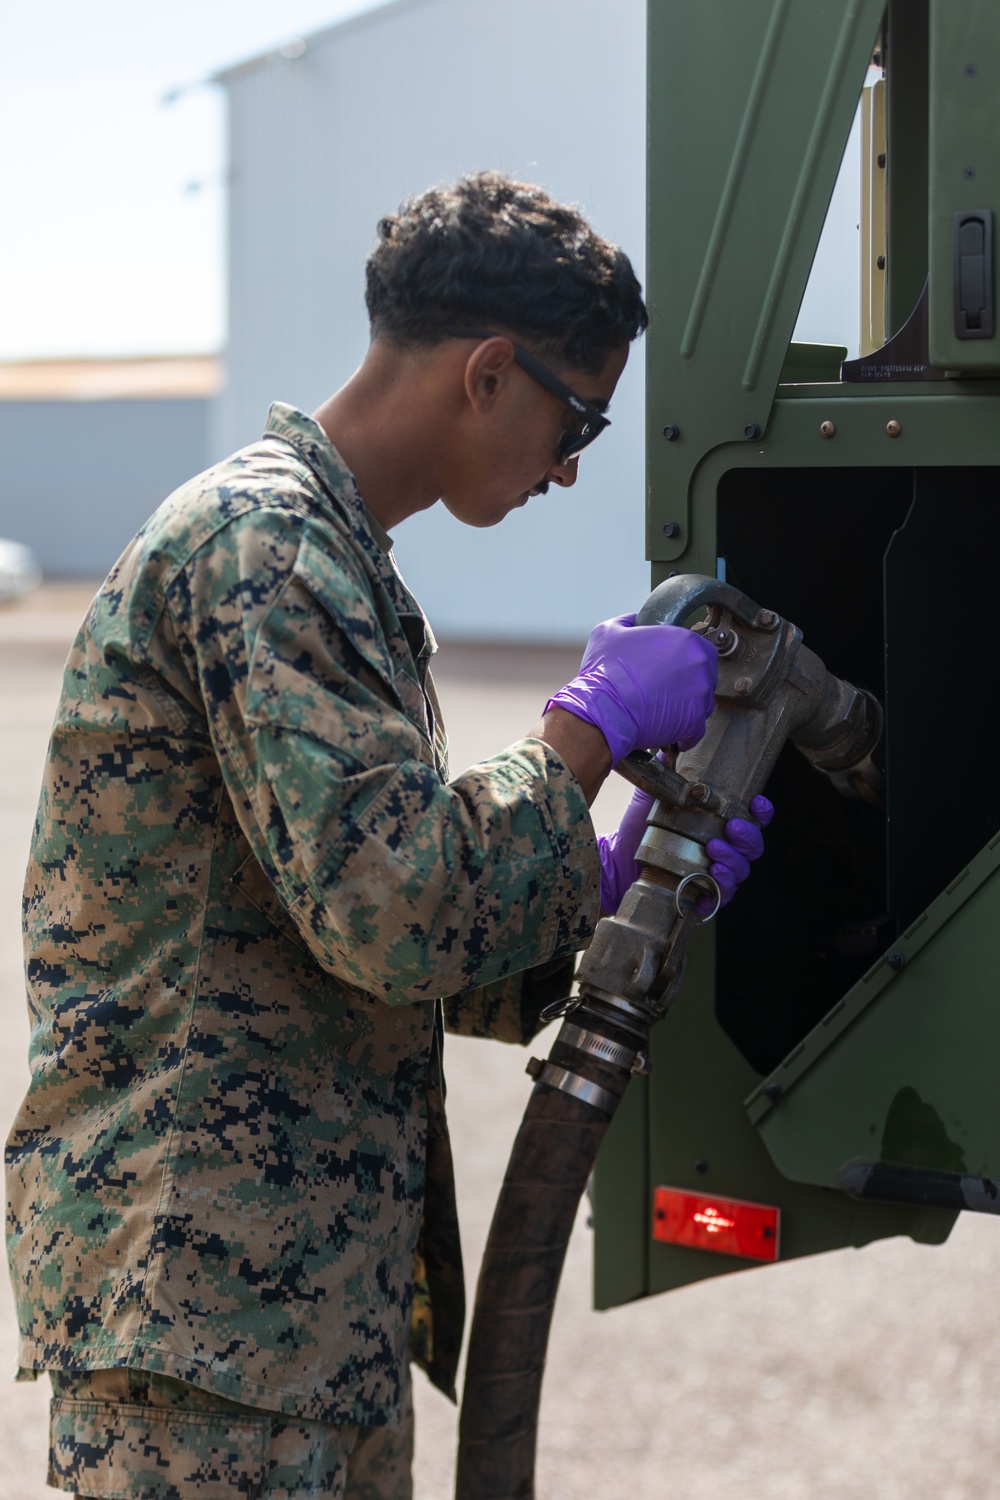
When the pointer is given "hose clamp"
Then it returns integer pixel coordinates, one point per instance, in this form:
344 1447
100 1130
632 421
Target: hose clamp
597 1046
580 1088
627 1016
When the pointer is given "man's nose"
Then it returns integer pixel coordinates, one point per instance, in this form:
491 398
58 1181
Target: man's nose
564 474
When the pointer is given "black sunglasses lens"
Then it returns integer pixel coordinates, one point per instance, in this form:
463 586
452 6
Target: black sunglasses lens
575 442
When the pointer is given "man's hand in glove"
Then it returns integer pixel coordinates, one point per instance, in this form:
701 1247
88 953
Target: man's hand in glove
643 687
730 856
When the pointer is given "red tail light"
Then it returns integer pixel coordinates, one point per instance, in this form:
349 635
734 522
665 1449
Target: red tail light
725 1225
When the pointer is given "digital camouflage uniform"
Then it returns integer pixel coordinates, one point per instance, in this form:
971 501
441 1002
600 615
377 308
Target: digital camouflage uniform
249 880
126 1433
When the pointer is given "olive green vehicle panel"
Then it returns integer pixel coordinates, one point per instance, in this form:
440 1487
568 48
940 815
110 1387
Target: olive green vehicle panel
964 175
905 1068
696 1135
743 156
750 107
904 43
708 1126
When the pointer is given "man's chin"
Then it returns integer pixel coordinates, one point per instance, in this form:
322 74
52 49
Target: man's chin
482 517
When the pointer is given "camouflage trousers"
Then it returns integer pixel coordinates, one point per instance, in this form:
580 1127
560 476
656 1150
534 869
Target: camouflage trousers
128 1435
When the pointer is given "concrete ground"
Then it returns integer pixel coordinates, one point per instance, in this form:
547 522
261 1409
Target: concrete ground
870 1375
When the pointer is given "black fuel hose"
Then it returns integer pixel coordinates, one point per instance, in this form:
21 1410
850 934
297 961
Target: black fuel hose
552 1158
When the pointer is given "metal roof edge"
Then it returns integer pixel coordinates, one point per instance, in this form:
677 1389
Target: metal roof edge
370 16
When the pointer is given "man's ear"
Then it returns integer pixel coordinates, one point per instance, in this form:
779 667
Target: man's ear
487 371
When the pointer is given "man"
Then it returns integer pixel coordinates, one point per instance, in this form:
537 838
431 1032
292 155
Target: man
230 1188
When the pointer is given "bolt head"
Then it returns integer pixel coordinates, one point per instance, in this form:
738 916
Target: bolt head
698 792
751 431
893 428
671 529
767 619
671 432
880 262
743 686
826 429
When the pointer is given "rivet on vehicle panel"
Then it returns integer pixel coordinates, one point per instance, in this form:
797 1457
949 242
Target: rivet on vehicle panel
671 528
880 262
743 686
751 431
969 173
969 70
701 1166
826 429
772 1091
671 432
880 159
893 428
896 960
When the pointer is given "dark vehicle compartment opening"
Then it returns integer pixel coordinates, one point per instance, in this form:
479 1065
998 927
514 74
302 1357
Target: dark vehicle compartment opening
855 558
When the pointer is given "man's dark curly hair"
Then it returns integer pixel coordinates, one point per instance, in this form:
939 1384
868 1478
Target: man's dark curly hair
497 253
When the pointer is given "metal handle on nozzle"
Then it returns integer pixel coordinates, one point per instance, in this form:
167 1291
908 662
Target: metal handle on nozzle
677 598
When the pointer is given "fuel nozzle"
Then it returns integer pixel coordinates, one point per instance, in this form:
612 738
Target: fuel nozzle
772 688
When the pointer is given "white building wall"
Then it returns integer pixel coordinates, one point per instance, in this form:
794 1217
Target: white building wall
377 108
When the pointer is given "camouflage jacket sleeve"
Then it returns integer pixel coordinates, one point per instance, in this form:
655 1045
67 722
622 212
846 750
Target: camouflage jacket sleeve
401 884
509 1010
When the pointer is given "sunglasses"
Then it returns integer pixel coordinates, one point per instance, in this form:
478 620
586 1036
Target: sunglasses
593 422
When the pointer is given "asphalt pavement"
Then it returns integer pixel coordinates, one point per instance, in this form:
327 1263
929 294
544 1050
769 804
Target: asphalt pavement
859 1375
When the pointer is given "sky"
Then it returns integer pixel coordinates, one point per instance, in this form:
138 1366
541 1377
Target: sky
113 223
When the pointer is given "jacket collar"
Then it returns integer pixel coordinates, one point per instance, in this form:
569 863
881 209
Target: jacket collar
309 440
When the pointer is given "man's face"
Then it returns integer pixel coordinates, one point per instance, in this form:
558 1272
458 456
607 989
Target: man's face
516 426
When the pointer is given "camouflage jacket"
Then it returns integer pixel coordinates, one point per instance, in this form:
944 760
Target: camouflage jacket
249 880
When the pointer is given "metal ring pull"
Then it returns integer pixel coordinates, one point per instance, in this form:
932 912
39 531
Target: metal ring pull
557 1008
702 880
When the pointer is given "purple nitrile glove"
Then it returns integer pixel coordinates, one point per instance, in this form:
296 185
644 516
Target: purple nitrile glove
730 856
744 841
617 851
643 687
